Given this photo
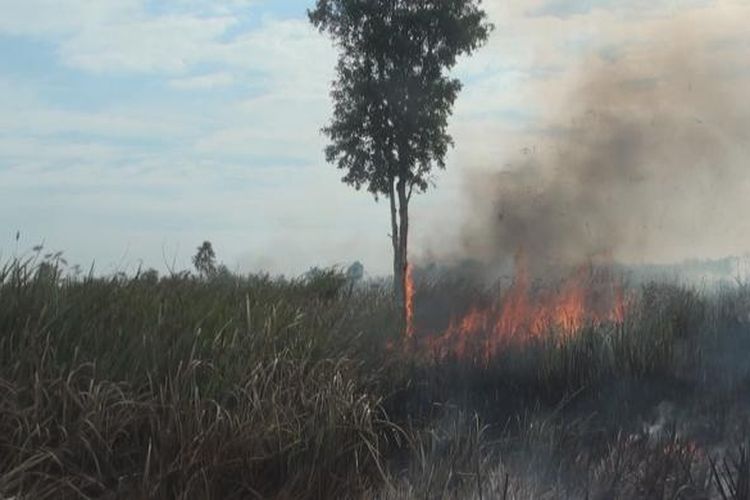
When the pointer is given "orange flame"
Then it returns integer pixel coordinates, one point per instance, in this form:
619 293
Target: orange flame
522 316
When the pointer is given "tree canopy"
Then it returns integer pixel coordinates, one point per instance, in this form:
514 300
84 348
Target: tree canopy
393 96
204 260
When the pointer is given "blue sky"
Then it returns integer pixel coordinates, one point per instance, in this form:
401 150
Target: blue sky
132 130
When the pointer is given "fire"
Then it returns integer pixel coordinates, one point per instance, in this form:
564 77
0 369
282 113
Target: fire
409 302
588 297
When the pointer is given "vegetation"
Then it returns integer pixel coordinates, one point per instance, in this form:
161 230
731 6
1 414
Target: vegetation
204 259
392 96
259 387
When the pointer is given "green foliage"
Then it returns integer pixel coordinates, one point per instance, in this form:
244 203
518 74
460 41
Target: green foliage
325 284
392 98
204 260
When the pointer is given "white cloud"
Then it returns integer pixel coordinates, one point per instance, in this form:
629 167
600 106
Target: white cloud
203 82
123 36
167 44
40 120
287 49
277 124
61 17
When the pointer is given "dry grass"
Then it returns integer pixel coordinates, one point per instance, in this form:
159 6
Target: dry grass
270 388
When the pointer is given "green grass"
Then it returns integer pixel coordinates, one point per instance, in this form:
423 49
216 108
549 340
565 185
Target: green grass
257 387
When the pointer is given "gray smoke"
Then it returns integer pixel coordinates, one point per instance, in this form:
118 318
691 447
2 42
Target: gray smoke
647 160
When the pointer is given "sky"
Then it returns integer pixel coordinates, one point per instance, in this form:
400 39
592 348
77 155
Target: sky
133 130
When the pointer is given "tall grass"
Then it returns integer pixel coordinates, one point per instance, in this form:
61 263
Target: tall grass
181 388
259 387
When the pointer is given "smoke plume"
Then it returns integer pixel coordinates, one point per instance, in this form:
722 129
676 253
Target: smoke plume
646 160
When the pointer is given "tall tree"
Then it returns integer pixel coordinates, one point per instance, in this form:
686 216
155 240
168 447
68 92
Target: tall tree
393 96
204 260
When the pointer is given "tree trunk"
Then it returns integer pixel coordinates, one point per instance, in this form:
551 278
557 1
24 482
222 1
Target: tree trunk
402 256
398 270
403 216
399 202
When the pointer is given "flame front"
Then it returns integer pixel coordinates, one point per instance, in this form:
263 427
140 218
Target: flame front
522 315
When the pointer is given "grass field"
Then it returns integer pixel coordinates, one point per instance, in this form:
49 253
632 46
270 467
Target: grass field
255 387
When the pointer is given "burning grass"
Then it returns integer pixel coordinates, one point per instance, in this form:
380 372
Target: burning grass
269 388
589 298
